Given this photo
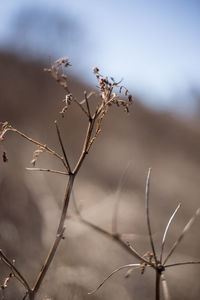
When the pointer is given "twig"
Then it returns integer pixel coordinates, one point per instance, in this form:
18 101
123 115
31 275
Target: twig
47 262
87 103
47 170
183 263
147 213
166 230
185 230
85 146
81 106
19 276
118 239
141 258
62 146
135 266
45 147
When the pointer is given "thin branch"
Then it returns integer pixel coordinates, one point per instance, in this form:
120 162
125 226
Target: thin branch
62 147
97 131
85 146
118 239
185 230
59 235
87 103
135 266
68 192
47 170
66 203
81 106
147 192
165 287
183 263
138 256
45 147
166 230
129 272
15 270
47 262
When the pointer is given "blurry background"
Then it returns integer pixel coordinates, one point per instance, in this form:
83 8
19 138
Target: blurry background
154 47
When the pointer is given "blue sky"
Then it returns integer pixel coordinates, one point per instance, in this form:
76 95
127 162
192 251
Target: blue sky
154 45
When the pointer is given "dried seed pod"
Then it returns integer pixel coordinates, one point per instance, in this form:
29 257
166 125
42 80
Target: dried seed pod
4 157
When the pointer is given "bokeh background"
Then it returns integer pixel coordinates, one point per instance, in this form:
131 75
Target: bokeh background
154 47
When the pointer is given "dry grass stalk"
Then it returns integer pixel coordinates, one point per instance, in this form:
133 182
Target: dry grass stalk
106 98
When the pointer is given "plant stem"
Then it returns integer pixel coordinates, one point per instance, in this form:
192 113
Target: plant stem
66 202
59 236
157 288
61 227
86 145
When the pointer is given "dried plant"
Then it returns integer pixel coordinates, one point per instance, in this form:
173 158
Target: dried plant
106 96
150 259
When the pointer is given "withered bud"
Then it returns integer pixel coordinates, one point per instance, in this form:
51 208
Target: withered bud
130 98
4 157
95 70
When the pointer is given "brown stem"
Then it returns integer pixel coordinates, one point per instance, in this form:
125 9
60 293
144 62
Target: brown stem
86 144
66 202
62 147
47 263
16 273
59 236
118 239
45 147
61 227
157 287
87 103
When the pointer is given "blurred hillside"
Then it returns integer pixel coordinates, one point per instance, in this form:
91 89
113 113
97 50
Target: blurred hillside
30 101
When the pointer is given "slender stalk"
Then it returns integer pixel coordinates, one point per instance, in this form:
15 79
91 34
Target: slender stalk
87 103
147 214
166 230
47 262
66 202
61 227
47 170
85 146
133 266
45 147
62 147
116 237
81 106
17 273
157 287
59 236
185 230
183 263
